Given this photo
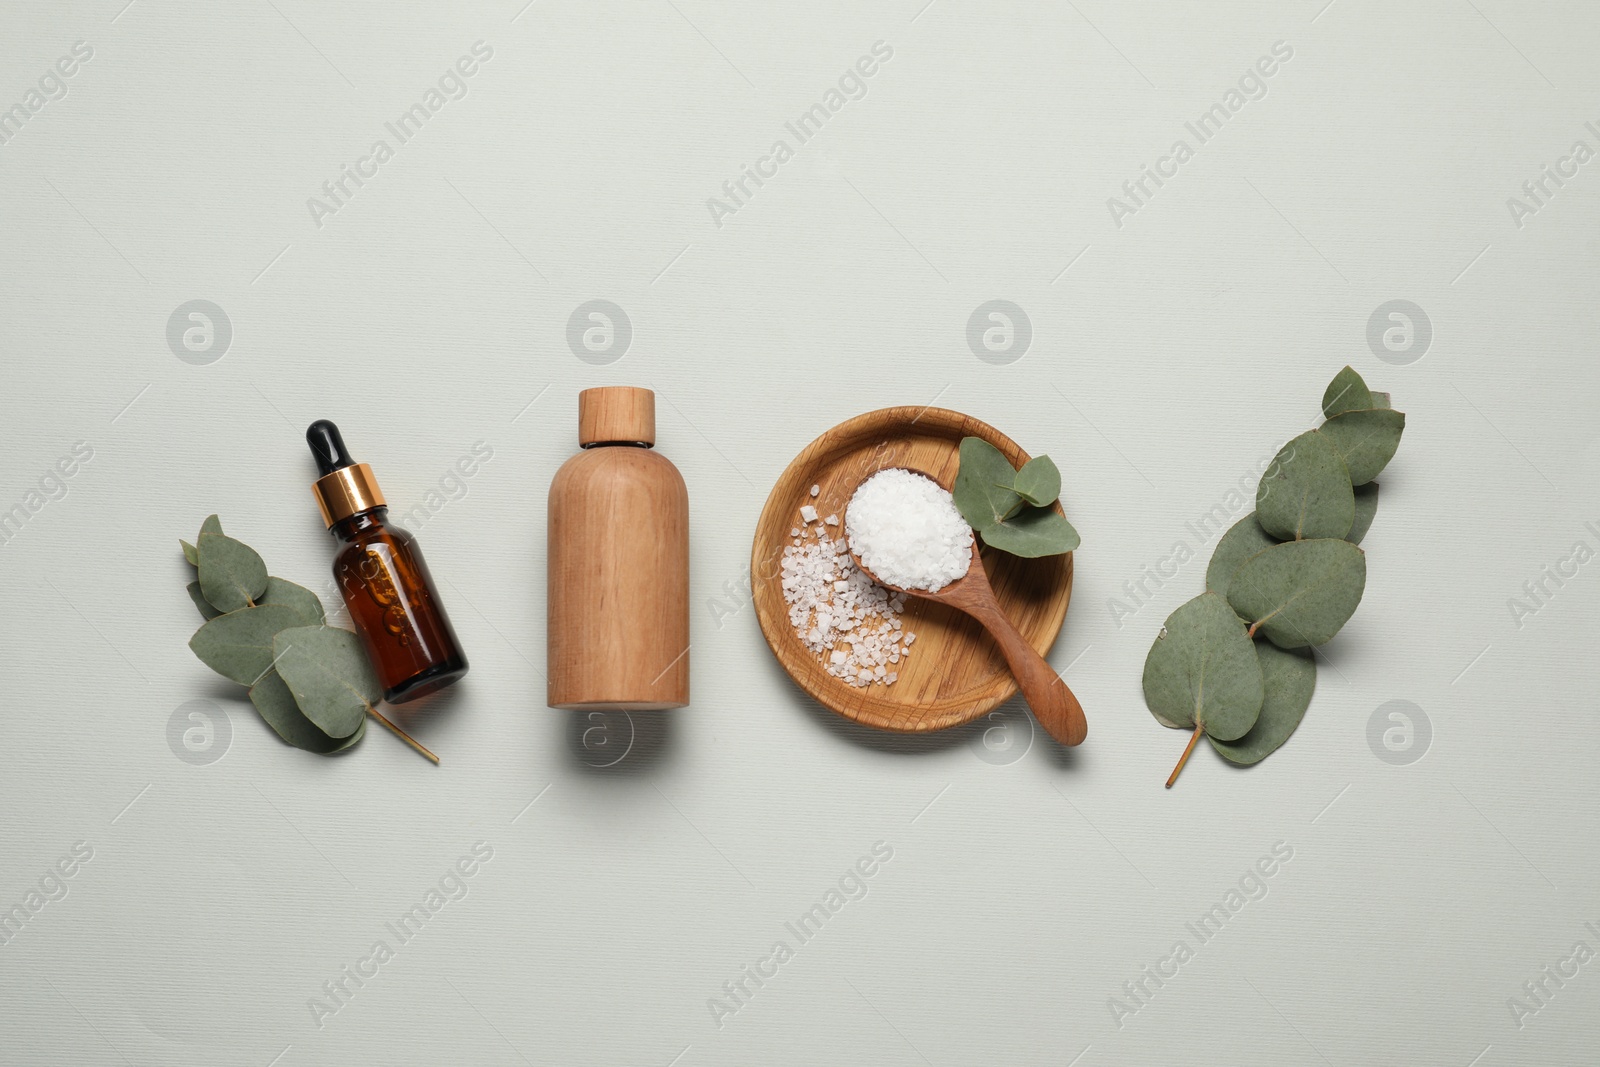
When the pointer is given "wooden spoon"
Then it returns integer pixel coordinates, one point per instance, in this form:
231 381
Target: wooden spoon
1050 698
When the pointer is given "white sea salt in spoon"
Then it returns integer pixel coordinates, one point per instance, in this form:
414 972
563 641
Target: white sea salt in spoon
906 530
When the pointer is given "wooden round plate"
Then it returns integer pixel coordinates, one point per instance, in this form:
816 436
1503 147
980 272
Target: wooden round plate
955 673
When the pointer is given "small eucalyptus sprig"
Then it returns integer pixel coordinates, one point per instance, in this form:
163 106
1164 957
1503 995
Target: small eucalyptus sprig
1234 663
311 682
1011 509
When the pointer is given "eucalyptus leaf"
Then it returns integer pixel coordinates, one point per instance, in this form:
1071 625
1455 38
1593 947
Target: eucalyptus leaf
1300 593
1291 571
1203 671
1367 440
275 703
1347 392
329 675
304 602
1306 492
238 645
232 576
1288 680
1039 481
206 610
1366 510
1243 540
1031 533
246 611
351 741
983 488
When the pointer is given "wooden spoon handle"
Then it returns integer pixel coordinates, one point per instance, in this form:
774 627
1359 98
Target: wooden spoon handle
1051 699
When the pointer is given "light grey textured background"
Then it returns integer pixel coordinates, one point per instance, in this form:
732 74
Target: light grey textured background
1170 355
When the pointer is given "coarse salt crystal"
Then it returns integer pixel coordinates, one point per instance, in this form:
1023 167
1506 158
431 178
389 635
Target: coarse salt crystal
808 513
906 530
837 611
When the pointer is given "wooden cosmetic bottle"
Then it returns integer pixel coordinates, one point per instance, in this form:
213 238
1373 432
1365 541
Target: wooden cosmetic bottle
618 633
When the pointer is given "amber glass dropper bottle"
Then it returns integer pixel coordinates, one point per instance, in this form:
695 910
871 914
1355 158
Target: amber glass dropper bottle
381 575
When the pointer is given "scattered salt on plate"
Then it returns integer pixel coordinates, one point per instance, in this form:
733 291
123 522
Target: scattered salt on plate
838 612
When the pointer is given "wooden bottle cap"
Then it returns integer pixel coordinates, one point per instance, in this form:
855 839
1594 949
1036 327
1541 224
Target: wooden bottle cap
616 413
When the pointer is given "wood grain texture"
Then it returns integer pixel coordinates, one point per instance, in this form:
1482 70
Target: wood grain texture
616 413
955 673
619 582
1049 697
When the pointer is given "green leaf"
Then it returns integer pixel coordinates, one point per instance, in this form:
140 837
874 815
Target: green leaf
1347 392
211 525
1367 440
351 741
1039 482
1366 510
1288 680
983 492
190 553
200 601
1300 593
1380 400
305 603
275 703
1202 670
1243 540
238 645
232 576
1031 533
1306 491
328 673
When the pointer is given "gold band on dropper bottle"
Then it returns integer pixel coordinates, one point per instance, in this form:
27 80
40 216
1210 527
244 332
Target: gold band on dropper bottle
347 491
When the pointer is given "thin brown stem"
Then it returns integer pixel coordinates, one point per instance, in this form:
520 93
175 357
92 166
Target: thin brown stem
1252 633
1185 757
401 734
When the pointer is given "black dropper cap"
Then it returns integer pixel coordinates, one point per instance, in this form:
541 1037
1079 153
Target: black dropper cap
327 446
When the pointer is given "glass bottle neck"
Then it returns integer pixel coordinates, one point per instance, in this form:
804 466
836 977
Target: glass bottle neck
359 523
